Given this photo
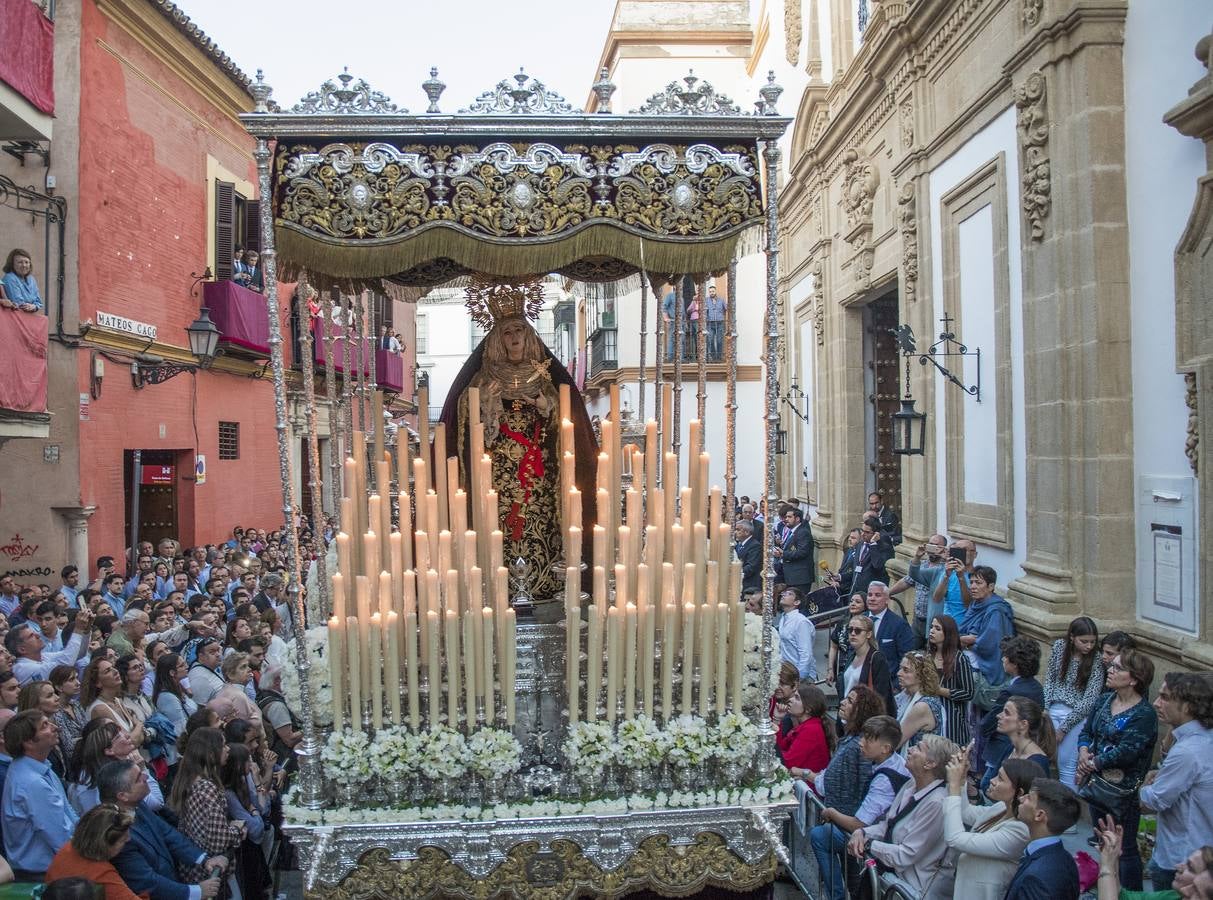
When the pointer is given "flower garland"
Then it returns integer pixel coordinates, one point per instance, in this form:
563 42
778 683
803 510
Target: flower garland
776 791
493 753
444 754
590 747
640 743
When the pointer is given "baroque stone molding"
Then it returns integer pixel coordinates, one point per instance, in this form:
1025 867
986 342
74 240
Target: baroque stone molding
792 30
907 125
1030 12
907 218
1192 442
1032 122
819 300
860 181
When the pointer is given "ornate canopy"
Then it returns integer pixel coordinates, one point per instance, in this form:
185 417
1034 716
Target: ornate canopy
520 182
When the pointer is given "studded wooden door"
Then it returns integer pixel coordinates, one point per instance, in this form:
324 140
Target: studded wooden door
883 397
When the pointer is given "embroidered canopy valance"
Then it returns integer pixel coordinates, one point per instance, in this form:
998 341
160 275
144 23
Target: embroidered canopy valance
519 183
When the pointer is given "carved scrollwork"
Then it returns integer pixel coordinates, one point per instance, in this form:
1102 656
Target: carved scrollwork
1192 441
526 96
1032 123
689 100
819 301
696 159
1030 12
860 181
792 29
906 117
907 217
355 99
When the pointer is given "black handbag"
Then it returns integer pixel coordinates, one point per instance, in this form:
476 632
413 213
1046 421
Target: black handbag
1108 790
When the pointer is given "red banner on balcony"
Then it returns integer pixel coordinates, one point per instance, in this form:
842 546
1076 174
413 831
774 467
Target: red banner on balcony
27 63
240 315
389 370
23 360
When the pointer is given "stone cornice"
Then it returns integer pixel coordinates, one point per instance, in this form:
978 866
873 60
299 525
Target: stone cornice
203 67
120 342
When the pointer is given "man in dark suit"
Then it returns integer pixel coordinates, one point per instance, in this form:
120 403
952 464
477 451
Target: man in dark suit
796 551
871 554
749 513
1047 870
1021 662
894 636
150 858
749 552
890 523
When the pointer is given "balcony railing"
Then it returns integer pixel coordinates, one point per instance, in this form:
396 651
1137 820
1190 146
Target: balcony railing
241 317
604 351
389 366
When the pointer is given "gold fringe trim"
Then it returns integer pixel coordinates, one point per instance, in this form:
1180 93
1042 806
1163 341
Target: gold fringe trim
363 261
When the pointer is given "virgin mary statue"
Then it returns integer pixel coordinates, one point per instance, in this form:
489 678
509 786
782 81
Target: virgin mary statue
519 378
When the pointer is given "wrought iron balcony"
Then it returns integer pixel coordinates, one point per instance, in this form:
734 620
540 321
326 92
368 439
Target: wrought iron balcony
604 351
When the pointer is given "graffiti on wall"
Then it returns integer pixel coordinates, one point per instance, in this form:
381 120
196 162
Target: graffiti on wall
17 549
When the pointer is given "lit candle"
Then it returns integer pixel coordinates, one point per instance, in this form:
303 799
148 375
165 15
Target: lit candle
451 591
668 649
410 655
339 596
452 668
354 651
614 639
688 656
572 657
510 688
345 559
706 623
647 674
374 653
336 671
600 541
487 664
593 675
370 555
629 662
408 604
384 595
572 552
421 478
600 586
441 487
722 660
374 516
737 652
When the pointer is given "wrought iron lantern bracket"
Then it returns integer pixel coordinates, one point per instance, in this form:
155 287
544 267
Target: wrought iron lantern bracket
947 347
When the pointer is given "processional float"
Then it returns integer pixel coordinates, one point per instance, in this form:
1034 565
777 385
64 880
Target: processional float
464 733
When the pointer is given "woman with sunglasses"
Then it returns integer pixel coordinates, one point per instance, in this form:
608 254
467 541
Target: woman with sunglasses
840 644
869 666
99 836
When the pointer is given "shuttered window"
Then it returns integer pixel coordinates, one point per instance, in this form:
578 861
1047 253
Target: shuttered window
225 228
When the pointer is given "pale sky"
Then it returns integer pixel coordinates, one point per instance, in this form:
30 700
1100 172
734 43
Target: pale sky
475 43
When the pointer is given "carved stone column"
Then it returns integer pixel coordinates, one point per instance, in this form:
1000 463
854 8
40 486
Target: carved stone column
77 536
1070 110
1194 331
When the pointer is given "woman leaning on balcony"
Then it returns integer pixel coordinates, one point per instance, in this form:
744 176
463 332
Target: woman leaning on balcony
20 290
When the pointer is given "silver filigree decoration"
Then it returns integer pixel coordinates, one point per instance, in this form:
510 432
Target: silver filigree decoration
693 98
343 158
769 93
505 159
526 96
603 88
348 99
665 159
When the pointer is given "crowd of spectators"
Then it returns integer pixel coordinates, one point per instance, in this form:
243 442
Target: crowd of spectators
147 742
954 771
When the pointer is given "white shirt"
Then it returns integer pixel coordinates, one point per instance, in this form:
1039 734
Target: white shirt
796 642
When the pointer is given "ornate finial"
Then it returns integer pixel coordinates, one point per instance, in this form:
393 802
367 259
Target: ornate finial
770 93
692 98
489 301
261 92
603 89
525 96
433 89
349 99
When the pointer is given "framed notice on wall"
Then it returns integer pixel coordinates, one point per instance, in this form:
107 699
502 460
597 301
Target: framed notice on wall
1167 552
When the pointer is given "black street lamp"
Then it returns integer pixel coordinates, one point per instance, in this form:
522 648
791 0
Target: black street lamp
909 425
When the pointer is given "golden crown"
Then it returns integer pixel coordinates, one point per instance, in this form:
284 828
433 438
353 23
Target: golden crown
491 301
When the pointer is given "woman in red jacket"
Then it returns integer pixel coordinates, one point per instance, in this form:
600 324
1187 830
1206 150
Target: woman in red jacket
810 743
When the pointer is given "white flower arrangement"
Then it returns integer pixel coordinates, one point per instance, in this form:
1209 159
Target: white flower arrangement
493 753
317 640
640 743
736 738
444 754
346 757
395 751
754 695
689 741
590 746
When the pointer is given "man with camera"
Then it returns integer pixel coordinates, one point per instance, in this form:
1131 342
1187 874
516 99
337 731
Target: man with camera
925 571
